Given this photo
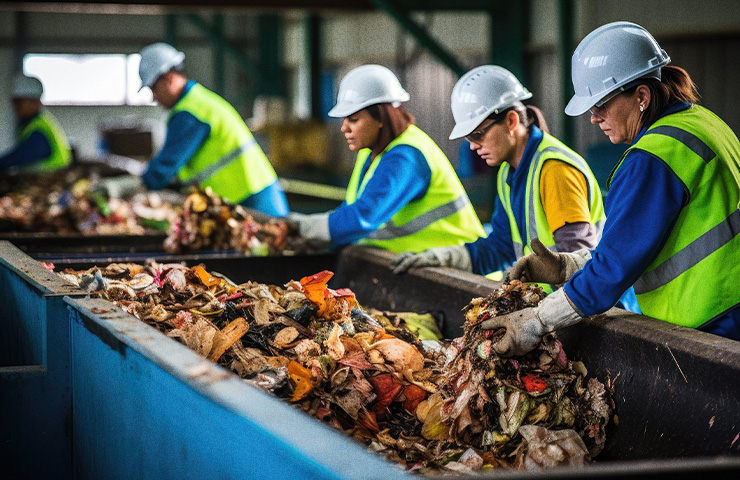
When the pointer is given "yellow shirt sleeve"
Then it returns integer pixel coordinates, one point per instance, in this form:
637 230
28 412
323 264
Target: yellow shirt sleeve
564 194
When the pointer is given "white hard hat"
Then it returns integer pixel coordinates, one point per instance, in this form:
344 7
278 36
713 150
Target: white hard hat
367 85
484 90
610 57
156 60
27 87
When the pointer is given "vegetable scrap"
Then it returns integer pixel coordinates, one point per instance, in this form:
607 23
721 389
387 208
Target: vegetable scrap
208 223
433 406
68 204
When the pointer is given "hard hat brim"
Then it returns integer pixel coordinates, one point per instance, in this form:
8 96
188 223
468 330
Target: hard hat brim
343 110
340 112
463 129
580 105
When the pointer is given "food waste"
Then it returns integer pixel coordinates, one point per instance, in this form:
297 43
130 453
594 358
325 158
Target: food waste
432 405
209 223
67 203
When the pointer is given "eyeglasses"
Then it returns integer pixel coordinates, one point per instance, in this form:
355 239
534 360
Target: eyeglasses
477 135
599 107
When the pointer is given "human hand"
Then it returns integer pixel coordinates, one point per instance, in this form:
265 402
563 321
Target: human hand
455 257
546 266
525 328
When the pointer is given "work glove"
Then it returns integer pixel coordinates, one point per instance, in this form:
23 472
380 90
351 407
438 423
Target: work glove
525 328
455 257
122 186
314 227
546 266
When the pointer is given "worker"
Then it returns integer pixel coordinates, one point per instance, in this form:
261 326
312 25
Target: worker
41 142
207 142
545 190
672 211
403 193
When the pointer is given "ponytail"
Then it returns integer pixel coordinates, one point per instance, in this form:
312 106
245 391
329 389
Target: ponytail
675 85
530 115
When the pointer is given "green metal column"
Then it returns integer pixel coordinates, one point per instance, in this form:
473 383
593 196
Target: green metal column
566 48
20 43
313 57
170 29
421 35
269 30
507 38
241 60
219 57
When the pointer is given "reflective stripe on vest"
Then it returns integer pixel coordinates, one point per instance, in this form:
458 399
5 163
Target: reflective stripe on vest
230 161
692 280
421 222
535 220
690 255
61 154
443 217
209 171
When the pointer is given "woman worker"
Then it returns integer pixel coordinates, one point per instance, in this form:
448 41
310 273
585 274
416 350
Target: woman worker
673 218
403 193
547 195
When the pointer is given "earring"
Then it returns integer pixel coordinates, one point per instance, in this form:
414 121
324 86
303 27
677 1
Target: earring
642 108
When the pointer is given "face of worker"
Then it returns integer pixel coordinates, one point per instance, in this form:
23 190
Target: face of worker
361 130
494 141
620 118
164 91
26 108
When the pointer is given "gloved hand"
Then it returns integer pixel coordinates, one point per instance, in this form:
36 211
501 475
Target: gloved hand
546 266
314 227
122 186
455 257
525 328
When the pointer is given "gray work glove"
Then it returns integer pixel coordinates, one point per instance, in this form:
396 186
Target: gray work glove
122 186
455 257
546 266
313 227
525 328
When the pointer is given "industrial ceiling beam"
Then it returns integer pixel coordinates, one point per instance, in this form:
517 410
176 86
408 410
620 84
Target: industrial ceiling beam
421 35
121 6
218 38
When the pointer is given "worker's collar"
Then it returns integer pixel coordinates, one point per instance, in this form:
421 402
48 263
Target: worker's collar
672 108
25 121
535 137
188 86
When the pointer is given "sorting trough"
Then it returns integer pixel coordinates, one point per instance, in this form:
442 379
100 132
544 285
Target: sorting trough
57 245
111 397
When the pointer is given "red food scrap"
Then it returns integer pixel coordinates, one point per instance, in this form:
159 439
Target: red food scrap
533 383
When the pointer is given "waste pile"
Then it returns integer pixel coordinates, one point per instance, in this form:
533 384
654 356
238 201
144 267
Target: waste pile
207 222
433 406
68 204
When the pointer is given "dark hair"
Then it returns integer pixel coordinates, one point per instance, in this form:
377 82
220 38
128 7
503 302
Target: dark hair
528 115
395 121
675 85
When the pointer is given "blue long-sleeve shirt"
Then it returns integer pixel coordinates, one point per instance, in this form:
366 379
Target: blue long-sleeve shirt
185 136
33 149
644 202
496 251
402 176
